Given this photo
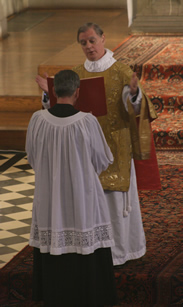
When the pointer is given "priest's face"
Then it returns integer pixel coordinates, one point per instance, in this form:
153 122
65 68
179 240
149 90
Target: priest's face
92 44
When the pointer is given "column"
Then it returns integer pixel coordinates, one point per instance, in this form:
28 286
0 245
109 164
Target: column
3 23
158 16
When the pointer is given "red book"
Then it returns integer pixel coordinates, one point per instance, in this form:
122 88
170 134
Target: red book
92 96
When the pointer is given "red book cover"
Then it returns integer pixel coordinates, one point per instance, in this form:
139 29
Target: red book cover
92 96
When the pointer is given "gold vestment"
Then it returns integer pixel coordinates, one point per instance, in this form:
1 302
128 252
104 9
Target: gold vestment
125 139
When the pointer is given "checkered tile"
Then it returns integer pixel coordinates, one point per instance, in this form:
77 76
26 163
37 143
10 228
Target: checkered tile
16 196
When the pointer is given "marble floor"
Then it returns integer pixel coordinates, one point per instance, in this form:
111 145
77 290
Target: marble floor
16 196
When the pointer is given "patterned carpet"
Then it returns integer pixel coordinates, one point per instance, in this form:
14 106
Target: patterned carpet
155 280
169 157
136 51
158 63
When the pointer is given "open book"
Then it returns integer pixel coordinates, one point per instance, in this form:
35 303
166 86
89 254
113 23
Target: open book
92 96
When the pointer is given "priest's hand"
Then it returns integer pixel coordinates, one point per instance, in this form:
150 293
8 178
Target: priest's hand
42 82
133 84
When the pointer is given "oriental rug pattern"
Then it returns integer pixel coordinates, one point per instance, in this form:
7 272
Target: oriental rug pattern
158 63
146 279
154 280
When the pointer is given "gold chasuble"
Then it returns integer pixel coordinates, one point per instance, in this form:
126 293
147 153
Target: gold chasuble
124 138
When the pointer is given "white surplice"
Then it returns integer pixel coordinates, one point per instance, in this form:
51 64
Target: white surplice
70 212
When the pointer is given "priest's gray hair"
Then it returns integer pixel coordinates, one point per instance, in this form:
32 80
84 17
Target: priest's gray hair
88 26
66 82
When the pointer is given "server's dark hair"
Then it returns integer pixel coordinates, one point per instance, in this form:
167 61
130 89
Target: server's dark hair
66 82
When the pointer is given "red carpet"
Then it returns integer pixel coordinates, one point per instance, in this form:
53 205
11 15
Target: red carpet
157 278
154 280
158 63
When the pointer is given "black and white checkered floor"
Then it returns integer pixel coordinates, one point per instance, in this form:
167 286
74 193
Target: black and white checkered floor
16 196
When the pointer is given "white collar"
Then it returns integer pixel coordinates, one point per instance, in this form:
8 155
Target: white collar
102 64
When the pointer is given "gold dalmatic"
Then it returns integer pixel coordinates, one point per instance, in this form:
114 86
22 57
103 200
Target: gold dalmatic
125 138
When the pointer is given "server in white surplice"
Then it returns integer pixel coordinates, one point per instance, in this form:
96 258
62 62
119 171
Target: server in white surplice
71 228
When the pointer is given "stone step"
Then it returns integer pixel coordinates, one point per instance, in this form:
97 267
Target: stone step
20 103
160 18
51 70
15 115
158 24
